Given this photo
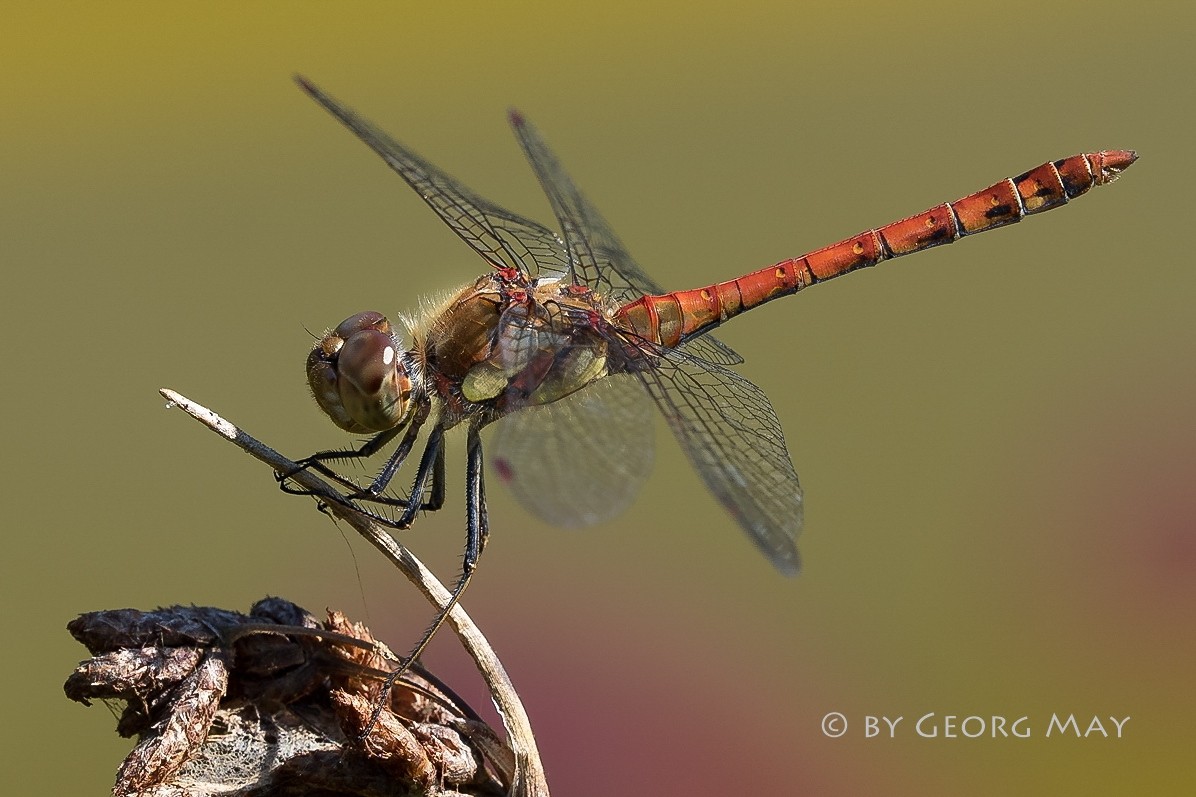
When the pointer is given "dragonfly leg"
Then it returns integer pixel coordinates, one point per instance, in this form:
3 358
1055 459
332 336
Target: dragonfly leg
477 521
431 469
372 446
477 530
316 462
397 459
436 498
435 494
431 466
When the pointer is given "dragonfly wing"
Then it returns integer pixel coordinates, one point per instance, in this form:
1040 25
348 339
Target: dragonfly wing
580 460
600 261
713 350
730 432
503 238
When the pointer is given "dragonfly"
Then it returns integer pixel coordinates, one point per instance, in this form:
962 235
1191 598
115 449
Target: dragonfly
569 342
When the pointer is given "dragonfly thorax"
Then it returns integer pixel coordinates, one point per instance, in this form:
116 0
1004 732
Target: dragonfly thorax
360 375
505 342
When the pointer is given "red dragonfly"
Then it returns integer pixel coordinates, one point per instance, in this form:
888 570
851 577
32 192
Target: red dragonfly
566 337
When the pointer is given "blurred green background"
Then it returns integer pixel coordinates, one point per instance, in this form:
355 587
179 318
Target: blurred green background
996 438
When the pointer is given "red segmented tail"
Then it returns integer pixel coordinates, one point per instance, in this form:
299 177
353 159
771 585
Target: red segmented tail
671 318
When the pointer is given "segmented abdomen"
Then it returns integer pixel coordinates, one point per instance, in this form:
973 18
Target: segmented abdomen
671 318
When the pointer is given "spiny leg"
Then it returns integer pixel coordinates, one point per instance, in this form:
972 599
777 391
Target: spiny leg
477 530
396 460
316 461
431 466
372 446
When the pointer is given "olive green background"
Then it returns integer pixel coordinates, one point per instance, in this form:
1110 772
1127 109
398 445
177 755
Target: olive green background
996 438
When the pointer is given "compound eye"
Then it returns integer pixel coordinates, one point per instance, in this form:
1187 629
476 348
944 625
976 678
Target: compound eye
370 319
358 375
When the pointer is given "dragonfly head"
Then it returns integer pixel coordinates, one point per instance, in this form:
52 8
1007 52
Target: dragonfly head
359 376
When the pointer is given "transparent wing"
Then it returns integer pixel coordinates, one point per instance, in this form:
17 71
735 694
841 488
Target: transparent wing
730 432
599 259
503 238
581 460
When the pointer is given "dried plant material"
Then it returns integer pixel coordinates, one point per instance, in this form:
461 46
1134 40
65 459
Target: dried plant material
275 702
527 777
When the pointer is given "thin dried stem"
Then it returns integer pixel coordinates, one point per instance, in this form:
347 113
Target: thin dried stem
529 771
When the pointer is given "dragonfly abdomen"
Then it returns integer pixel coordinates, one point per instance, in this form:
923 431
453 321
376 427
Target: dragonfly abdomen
670 319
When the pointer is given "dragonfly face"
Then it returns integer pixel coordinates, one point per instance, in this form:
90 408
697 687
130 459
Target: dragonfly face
360 375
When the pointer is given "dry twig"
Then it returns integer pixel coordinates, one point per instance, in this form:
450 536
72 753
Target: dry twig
528 778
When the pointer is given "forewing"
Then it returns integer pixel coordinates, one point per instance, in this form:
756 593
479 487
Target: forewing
600 261
503 238
730 432
580 460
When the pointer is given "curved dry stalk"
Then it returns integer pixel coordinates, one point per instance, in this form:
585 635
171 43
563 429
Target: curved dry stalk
529 777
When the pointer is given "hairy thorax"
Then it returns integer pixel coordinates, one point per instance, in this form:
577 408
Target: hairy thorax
504 343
